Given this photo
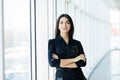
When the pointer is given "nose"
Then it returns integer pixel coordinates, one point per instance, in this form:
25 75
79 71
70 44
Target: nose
64 25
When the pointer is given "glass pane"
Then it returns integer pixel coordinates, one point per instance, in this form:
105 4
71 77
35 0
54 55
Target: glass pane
17 39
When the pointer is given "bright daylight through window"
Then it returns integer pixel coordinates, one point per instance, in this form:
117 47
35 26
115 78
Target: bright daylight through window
17 39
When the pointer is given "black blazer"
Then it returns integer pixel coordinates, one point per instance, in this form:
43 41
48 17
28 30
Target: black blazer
64 51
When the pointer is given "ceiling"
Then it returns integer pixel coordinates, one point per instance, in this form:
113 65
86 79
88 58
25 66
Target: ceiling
114 4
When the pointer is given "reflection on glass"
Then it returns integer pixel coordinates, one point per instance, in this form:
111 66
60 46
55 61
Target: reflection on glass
16 40
115 65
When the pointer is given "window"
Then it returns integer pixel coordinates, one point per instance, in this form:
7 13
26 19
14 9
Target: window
17 40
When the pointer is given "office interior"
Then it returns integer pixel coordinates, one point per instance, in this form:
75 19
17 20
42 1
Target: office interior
27 25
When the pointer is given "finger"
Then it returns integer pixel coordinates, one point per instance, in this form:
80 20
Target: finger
53 55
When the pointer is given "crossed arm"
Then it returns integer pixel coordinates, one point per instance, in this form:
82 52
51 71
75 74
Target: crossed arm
70 63
55 61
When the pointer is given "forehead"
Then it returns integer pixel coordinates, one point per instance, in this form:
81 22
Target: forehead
64 19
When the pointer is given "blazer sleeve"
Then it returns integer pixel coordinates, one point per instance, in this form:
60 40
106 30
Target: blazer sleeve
81 63
51 50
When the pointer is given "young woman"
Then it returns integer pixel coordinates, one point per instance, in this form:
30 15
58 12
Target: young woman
66 53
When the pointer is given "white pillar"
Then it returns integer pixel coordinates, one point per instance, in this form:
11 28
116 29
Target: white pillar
42 39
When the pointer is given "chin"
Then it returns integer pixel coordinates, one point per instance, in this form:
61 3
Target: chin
64 31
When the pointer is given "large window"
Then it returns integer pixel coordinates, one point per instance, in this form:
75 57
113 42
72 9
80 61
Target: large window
17 39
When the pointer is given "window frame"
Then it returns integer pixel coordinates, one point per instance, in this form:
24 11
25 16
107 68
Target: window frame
33 39
1 41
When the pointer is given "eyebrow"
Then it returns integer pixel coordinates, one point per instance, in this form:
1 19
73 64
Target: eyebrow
63 21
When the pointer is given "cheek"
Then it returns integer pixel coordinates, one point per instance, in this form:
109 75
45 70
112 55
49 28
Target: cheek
59 27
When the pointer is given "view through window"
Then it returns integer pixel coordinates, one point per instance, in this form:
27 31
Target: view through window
17 39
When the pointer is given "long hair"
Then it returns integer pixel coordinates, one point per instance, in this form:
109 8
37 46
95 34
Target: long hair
57 31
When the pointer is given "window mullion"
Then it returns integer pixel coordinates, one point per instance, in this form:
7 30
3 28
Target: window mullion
1 41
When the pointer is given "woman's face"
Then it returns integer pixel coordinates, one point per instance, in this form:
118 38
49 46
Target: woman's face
64 25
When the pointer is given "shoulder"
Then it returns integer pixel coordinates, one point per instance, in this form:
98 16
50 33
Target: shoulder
51 40
76 41
54 40
51 43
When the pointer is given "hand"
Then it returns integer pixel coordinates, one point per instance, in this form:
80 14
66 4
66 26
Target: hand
55 56
80 57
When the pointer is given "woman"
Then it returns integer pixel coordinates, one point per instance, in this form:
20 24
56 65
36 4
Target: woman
66 53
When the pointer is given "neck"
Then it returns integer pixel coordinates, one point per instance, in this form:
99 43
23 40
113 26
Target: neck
65 37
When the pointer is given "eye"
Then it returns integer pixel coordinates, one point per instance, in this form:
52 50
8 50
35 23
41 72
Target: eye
68 22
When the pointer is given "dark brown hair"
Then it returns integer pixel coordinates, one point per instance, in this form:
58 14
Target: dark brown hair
57 31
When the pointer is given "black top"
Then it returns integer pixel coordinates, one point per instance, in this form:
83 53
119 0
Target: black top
65 51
